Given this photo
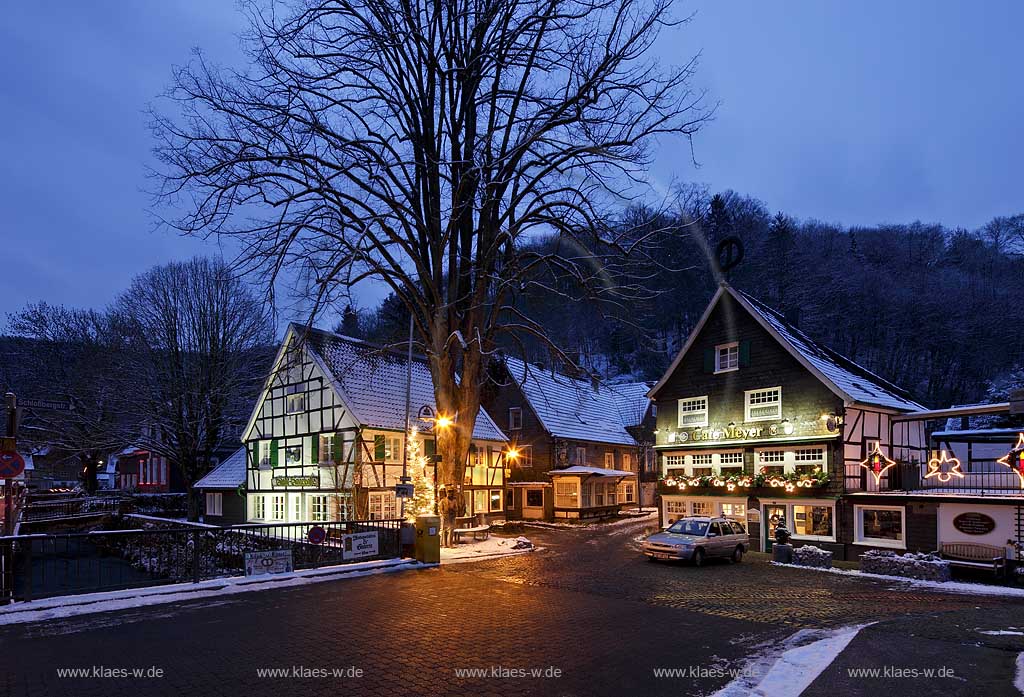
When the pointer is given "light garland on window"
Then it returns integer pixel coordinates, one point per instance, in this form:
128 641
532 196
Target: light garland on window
1015 459
877 463
935 468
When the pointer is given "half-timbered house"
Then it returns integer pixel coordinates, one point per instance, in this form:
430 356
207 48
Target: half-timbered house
326 437
758 422
581 446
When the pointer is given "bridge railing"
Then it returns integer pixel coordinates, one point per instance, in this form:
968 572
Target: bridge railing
45 565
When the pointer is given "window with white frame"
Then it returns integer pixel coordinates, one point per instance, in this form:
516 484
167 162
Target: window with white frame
701 508
566 494
675 460
627 492
734 511
598 494
627 462
496 500
609 461
298 508
675 507
702 459
693 412
383 505
319 510
727 357
215 504
882 526
277 508
763 405
610 493
771 461
265 452
295 399
293 455
326 450
392 449
809 460
813 521
515 418
259 507
587 495
731 462
581 455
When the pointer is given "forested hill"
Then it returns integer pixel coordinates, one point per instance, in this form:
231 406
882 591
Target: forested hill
938 311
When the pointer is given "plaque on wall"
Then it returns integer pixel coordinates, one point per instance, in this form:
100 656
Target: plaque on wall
974 523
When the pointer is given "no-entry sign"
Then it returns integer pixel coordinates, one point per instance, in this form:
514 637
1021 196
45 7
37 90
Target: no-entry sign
11 464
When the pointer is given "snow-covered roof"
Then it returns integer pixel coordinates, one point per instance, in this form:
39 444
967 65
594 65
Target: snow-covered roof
229 474
372 380
853 382
574 409
580 469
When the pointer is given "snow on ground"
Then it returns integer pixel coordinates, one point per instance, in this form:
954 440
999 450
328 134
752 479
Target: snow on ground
1018 677
1000 632
88 603
803 657
947 586
490 548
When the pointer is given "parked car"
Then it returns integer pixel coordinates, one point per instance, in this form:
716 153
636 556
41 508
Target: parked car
698 539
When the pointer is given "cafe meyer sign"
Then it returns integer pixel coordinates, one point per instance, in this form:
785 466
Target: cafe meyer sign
313 481
741 432
973 523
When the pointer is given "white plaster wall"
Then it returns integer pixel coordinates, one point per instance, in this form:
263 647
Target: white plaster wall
1004 515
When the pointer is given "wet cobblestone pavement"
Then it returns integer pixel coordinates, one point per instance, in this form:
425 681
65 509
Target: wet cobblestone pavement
588 606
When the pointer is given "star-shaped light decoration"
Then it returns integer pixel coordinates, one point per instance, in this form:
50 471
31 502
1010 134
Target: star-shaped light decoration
877 463
1015 459
935 468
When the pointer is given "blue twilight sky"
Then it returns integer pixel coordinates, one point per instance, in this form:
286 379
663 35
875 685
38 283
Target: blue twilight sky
853 112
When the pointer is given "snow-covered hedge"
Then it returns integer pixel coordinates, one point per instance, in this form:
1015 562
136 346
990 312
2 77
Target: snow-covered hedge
926 567
809 555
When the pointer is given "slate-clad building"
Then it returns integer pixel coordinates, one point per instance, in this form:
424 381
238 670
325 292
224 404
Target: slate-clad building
326 437
223 491
757 422
580 444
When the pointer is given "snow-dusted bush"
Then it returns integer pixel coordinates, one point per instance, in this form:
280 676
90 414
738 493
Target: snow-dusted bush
926 567
809 555
522 543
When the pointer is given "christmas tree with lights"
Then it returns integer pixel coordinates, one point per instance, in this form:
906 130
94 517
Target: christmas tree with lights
422 501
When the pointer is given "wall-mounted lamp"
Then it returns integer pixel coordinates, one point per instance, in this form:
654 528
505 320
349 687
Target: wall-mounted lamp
787 427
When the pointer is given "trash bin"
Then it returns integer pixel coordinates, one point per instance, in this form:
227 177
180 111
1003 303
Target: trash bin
428 539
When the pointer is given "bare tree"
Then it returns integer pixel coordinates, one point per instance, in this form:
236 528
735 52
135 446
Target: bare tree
425 144
68 355
194 335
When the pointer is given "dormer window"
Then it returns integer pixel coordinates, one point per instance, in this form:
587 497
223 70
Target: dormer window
727 357
515 418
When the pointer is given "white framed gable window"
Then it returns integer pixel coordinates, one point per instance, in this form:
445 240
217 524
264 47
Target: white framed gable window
294 399
763 405
259 507
515 418
265 453
727 357
693 412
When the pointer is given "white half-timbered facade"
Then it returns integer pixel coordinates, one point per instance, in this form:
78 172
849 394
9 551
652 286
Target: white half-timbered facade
325 440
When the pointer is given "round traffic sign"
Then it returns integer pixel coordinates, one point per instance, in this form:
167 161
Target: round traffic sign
316 535
11 464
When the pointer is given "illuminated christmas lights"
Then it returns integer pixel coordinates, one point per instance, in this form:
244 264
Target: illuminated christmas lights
1015 459
935 468
878 464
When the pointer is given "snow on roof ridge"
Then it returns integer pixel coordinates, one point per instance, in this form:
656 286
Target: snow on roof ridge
831 355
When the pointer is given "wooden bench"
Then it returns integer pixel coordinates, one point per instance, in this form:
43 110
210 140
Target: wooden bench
974 555
480 532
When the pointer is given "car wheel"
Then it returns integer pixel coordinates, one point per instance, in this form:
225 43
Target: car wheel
737 554
698 557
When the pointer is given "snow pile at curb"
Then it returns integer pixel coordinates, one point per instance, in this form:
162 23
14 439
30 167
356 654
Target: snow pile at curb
812 556
88 603
490 548
913 583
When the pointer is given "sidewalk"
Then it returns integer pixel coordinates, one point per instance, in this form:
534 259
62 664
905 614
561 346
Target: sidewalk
87 603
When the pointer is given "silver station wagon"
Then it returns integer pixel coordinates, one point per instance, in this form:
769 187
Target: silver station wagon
699 539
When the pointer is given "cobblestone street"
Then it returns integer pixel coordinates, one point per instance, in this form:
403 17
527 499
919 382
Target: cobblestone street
588 609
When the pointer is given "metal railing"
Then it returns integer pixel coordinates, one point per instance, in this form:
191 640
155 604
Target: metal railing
70 508
39 566
982 477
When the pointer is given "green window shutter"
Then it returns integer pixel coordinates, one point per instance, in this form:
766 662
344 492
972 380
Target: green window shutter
745 354
709 360
429 447
378 448
273 452
315 449
337 443
254 454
